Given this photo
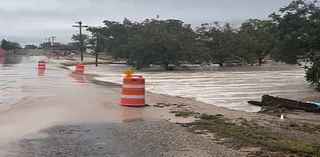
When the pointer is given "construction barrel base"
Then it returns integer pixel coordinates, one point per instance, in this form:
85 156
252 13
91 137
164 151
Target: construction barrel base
132 102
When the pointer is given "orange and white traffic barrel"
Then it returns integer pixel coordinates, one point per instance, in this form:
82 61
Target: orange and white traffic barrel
41 72
41 65
79 69
133 91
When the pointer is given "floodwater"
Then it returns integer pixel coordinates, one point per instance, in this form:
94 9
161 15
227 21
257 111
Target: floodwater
22 83
226 87
20 80
32 99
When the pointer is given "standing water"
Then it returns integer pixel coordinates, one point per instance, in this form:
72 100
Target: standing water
21 82
226 87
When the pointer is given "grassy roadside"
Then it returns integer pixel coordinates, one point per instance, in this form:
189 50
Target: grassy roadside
245 135
185 113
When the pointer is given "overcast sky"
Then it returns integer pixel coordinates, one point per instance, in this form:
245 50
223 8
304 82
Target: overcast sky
31 21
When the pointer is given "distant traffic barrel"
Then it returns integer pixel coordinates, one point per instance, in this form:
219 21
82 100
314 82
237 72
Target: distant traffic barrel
42 65
79 69
133 91
41 72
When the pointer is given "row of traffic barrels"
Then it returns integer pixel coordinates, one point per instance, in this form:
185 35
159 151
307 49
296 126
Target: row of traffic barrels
133 86
79 67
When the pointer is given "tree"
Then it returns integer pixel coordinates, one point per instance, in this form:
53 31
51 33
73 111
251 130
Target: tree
149 42
298 30
169 39
96 41
8 45
313 72
220 41
258 38
45 45
76 39
293 22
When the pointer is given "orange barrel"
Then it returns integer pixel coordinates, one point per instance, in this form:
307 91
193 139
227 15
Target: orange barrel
79 69
41 72
41 65
133 91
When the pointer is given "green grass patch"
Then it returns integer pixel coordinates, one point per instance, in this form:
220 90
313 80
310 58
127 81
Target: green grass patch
185 113
244 135
158 105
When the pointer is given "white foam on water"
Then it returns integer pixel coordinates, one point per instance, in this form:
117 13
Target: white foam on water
226 88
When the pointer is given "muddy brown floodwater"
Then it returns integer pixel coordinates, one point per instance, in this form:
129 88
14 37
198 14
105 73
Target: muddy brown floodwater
56 113
31 100
226 87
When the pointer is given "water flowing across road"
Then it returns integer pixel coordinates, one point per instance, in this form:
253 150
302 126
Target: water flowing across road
20 81
227 87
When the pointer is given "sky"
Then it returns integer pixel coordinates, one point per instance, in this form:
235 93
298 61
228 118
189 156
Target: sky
31 21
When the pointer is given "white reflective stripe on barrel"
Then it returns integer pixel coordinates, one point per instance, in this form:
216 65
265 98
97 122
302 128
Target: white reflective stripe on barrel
132 86
133 96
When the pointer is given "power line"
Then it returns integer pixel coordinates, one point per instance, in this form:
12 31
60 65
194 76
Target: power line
80 26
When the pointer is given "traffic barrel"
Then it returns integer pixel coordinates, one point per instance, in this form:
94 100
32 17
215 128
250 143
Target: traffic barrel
78 78
79 69
41 72
41 65
133 91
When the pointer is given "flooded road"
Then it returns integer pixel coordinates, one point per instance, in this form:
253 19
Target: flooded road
56 113
228 87
31 100
20 81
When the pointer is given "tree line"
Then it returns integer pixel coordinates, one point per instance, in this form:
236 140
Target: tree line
9 45
172 42
289 34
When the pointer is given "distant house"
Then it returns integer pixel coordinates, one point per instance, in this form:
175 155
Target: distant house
30 47
2 54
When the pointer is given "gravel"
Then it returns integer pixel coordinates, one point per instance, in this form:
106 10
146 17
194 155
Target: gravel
130 139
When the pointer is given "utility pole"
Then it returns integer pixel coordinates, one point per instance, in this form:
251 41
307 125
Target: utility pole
80 26
98 46
52 39
49 43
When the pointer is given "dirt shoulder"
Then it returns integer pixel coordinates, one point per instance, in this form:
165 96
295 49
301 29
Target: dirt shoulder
135 138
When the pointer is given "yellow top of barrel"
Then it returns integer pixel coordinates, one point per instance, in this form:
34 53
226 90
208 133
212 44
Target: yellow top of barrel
128 72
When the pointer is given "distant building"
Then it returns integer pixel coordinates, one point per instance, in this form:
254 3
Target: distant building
30 47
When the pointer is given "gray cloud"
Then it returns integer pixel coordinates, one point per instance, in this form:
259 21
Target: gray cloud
31 21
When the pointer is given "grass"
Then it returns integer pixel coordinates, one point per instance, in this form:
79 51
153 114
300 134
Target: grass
185 113
158 105
244 135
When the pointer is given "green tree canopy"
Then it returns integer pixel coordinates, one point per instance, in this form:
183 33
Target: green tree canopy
9 45
149 42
